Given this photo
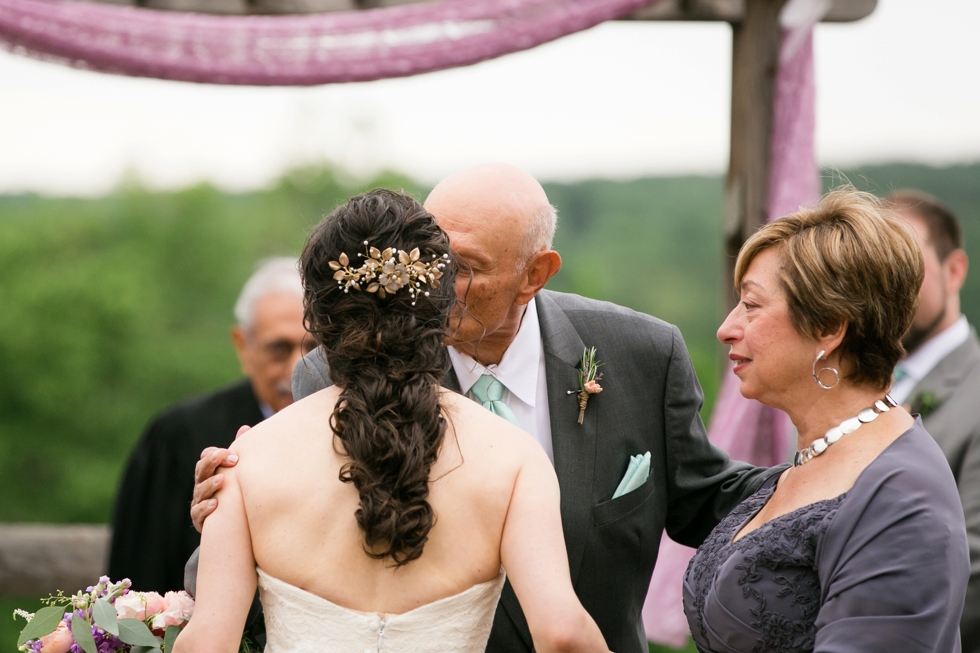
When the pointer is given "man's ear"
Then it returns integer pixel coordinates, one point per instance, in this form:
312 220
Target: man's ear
955 266
239 340
542 266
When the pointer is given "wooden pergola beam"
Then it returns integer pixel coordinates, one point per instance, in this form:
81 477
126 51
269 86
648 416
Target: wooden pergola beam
734 11
755 57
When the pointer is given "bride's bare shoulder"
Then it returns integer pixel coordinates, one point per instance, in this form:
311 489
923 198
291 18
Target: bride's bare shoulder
292 430
480 430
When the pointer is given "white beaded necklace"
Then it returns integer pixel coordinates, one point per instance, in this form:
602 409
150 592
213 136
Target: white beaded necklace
849 425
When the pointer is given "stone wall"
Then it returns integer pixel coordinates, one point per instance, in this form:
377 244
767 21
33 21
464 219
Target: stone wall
38 559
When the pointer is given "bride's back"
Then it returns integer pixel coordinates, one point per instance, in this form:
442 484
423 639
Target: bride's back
302 522
345 490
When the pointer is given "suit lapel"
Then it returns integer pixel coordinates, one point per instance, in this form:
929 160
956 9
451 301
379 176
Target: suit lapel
943 380
450 381
574 444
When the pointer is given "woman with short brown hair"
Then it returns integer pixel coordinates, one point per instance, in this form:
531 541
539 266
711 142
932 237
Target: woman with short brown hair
861 545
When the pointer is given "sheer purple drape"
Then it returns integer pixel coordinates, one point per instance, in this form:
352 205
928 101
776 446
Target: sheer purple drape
745 428
292 50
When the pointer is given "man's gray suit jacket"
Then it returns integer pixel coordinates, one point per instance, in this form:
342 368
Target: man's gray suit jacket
650 402
949 397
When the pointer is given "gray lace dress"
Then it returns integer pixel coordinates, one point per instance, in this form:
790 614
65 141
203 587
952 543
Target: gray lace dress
882 567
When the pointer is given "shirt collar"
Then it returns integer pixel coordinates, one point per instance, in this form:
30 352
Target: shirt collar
266 409
927 356
517 370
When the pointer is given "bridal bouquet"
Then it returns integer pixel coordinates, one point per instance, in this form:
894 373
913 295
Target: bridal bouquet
106 618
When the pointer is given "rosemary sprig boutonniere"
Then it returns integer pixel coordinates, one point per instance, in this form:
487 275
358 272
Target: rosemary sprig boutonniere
588 380
924 403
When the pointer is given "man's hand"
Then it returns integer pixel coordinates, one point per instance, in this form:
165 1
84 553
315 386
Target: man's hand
206 482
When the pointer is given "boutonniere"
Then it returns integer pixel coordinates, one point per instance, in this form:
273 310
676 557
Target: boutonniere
924 403
588 380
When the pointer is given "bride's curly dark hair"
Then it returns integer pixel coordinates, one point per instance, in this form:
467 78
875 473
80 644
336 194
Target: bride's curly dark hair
388 358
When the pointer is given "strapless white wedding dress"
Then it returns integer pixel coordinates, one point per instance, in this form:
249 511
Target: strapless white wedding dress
297 621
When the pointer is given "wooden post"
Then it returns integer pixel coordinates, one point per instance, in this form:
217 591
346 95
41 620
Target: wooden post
755 56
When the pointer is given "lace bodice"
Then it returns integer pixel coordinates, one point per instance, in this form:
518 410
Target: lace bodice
760 593
300 622
883 567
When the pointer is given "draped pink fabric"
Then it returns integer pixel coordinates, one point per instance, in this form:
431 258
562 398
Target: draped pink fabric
744 428
292 50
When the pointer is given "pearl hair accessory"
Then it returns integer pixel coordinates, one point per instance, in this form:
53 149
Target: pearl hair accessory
846 427
389 271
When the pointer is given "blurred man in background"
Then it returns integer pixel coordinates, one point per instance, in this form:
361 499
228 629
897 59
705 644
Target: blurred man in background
940 376
152 531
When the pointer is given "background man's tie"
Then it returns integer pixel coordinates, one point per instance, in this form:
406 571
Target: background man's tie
489 392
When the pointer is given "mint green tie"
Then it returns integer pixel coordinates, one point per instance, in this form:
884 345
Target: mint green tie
489 392
899 374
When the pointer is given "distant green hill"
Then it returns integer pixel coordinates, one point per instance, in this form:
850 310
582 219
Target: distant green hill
113 308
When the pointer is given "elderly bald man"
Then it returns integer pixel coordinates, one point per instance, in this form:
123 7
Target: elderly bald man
637 464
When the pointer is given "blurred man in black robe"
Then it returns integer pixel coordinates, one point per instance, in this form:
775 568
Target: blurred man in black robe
152 531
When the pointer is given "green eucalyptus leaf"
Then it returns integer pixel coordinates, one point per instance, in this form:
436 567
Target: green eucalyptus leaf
248 646
143 649
135 632
105 617
81 630
44 623
170 637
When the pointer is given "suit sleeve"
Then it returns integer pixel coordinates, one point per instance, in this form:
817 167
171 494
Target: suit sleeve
968 484
703 484
310 375
892 570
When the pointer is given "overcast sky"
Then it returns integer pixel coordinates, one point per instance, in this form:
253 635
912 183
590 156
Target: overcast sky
621 100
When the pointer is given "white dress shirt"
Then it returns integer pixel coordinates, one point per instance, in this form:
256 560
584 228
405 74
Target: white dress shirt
266 409
521 370
921 361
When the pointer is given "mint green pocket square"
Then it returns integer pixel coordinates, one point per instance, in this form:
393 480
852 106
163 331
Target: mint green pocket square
636 475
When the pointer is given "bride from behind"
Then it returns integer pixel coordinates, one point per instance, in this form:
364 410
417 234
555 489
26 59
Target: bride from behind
378 514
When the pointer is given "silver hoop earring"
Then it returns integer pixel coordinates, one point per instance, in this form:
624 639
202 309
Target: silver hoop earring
816 372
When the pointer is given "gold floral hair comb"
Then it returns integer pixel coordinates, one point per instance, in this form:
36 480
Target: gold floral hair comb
389 271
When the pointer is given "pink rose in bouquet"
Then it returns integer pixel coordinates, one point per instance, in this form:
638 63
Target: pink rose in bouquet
139 605
59 641
154 603
130 606
178 608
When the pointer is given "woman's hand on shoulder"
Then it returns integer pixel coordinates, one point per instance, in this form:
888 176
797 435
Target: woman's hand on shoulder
207 480
208 475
